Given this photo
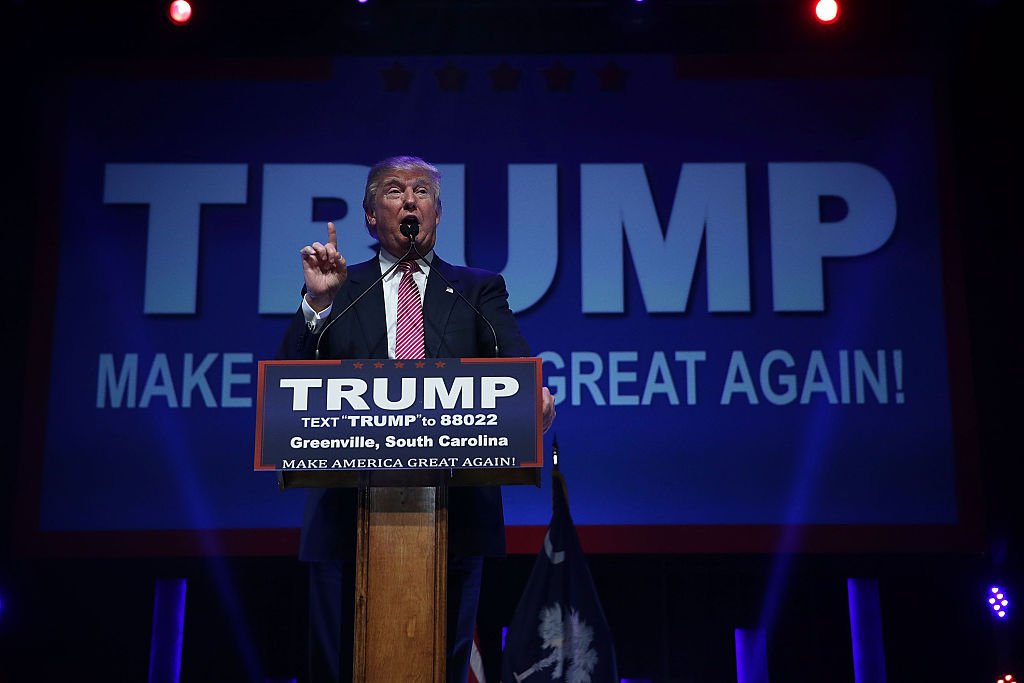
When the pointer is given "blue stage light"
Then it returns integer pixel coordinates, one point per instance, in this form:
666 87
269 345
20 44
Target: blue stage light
998 601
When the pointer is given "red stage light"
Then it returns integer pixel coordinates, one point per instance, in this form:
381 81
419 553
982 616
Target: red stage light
827 11
180 12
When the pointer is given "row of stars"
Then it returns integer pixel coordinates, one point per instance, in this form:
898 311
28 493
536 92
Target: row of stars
398 364
504 77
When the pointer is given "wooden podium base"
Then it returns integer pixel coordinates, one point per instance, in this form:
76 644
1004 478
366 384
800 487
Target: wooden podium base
402 564
401 583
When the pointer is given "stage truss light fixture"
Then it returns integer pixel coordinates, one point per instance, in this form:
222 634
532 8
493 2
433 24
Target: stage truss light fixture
826 11
1008 678
179 12
998 601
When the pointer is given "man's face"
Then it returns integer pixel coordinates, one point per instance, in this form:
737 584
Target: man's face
401 194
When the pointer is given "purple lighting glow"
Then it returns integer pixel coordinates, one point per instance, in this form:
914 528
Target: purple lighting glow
866 631
998 601
168 625
751 655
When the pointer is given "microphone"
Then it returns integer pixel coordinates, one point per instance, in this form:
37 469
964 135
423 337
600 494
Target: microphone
410 227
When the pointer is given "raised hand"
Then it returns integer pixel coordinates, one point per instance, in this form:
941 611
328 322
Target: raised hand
324 270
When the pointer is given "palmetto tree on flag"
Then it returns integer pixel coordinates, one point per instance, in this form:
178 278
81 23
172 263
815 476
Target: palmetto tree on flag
568 639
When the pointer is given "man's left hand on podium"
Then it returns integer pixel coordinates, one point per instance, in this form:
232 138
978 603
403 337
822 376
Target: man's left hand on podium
547 408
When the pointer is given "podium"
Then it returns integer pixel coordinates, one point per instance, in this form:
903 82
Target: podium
402 512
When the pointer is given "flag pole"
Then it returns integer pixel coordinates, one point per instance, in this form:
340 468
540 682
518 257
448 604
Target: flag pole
557 480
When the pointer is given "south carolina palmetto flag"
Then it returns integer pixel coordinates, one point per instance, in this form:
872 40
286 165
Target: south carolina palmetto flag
558 631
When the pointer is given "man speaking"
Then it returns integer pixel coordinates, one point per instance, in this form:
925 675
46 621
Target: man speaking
404 304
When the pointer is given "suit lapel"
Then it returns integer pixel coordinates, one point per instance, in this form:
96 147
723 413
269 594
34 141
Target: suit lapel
370 309
437 304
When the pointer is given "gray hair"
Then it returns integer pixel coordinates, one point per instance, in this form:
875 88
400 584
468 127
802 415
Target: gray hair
398 163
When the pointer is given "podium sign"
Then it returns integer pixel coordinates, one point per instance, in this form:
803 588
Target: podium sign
378 414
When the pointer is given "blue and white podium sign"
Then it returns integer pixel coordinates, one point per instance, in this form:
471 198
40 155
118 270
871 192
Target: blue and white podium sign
436 413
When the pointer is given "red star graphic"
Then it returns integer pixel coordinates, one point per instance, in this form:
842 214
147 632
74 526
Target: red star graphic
451 78
559 77
399 364
378 365
357 365
420 364
396 78
613 77
439 364
505 78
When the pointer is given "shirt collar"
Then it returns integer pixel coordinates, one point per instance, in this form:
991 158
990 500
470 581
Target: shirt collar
387 260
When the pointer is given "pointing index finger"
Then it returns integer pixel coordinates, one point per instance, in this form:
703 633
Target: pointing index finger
332 235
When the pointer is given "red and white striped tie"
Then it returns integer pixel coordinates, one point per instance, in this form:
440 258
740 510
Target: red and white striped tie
409 337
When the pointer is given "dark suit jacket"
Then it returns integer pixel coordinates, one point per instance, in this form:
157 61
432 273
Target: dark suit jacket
451 330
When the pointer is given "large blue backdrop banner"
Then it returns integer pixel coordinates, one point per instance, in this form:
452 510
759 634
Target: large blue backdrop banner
736 286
